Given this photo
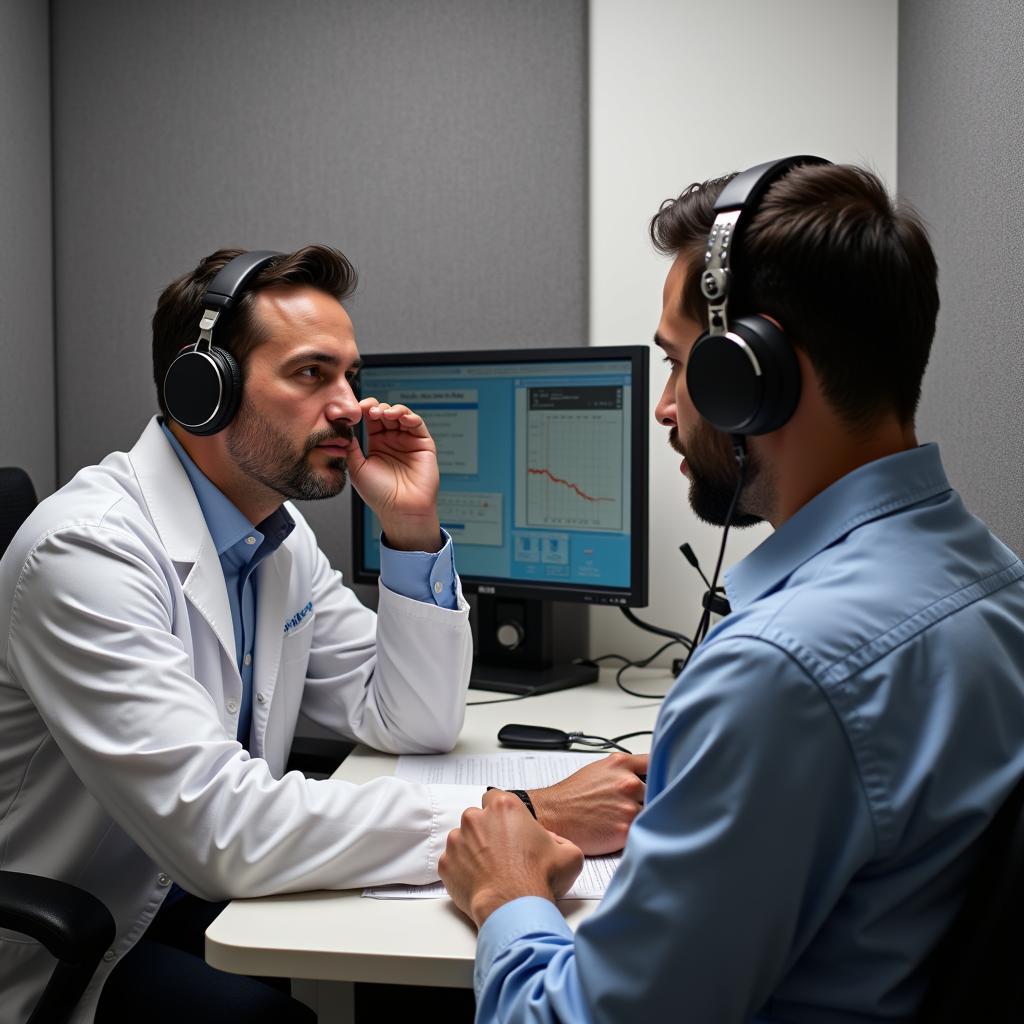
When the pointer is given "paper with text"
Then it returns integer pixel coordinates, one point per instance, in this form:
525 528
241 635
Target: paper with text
520 770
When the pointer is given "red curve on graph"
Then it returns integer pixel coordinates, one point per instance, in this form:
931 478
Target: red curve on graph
566 483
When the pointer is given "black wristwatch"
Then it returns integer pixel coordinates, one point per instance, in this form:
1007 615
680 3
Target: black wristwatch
522 794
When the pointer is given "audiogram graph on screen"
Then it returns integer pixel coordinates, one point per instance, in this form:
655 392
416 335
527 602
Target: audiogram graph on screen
574 457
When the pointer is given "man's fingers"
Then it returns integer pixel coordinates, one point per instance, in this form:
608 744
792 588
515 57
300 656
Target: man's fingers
354 459
382 416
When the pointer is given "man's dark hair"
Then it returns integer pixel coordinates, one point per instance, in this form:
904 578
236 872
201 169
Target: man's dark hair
849 274
176 320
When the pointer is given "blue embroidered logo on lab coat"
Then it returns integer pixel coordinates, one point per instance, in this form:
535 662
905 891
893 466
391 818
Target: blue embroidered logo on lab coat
298 617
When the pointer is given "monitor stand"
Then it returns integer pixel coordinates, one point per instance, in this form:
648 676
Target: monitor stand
526 682
515 649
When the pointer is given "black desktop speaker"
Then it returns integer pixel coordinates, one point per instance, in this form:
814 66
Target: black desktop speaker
515 631
203 385
520 651
742 374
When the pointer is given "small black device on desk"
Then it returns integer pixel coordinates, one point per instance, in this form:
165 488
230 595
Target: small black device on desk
535 737
543 737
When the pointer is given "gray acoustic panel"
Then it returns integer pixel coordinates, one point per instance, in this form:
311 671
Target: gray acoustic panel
961 150
440 143
27 433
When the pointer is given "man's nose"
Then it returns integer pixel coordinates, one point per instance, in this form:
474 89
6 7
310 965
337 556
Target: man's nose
343 405
665 410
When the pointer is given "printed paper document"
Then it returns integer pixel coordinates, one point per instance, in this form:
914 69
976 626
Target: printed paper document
531 769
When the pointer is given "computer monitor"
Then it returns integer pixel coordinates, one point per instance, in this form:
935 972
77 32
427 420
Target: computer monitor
543 459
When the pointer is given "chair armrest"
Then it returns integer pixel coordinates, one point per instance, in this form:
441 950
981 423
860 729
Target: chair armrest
71 923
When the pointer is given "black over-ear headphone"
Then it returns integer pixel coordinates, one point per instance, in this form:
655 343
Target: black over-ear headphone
742 375
203 385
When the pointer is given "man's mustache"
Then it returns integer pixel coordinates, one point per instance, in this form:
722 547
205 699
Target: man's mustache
673 440
343 431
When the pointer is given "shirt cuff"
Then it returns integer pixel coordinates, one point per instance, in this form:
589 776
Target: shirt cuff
421 575
527 916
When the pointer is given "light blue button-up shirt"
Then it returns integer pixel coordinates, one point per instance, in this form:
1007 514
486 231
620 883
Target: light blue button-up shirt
241 547
817 774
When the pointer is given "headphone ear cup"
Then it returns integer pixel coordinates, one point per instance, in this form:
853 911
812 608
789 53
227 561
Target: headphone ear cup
202 390
746 381
231 375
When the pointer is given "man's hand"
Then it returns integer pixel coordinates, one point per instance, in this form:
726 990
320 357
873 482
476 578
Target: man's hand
500 853
595 806
398 475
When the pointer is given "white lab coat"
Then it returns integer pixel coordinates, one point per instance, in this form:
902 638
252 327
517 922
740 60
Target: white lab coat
119 700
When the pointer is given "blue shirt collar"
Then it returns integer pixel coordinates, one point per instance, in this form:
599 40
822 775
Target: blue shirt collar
871 491
225 522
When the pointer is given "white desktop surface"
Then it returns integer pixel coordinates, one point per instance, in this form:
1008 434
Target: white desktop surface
342 936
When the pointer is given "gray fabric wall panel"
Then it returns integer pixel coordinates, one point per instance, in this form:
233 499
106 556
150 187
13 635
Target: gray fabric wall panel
27 434
440 143
961 150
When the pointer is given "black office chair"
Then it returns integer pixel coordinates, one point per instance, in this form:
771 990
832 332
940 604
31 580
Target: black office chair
976 971
72 924
17 499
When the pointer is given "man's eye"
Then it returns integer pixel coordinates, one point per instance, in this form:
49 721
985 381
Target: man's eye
313 372
354 383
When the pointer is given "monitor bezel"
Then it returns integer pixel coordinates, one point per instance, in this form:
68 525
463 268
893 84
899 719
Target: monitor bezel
633 596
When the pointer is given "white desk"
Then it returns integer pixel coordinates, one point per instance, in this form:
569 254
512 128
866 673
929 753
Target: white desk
340 936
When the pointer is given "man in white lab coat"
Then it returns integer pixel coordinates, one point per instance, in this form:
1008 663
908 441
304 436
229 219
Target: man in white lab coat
170 615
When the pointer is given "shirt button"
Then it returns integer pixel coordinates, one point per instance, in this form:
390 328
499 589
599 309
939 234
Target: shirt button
247 660
164 879
250 540
260 698
438 587
232 706
109 955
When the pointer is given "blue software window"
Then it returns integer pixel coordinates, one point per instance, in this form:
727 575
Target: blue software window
535 466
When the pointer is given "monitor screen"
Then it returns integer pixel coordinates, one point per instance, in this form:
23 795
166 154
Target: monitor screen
543 459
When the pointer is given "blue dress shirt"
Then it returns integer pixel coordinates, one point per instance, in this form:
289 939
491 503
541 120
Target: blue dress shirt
241 547
819 775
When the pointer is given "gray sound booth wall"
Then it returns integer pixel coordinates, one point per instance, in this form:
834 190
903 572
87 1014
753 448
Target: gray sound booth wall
27 434
441 144
961 153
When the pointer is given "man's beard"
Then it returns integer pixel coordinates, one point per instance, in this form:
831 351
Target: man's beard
266 455
714 474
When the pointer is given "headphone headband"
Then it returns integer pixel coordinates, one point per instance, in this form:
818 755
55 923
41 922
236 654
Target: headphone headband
229 280
733 210
225 288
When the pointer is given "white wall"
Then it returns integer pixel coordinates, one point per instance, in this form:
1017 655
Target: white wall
684 91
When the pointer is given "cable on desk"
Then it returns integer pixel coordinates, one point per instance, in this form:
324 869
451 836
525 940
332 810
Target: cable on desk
603 743
659 630
499 700
642 663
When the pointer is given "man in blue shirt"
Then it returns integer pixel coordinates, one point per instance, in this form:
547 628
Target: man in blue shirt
822 768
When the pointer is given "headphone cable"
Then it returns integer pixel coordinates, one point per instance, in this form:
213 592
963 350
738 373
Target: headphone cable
739 450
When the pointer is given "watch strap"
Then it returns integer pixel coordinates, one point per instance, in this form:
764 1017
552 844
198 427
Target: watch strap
522 794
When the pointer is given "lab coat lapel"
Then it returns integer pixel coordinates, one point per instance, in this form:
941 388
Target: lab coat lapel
176 515
208 593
